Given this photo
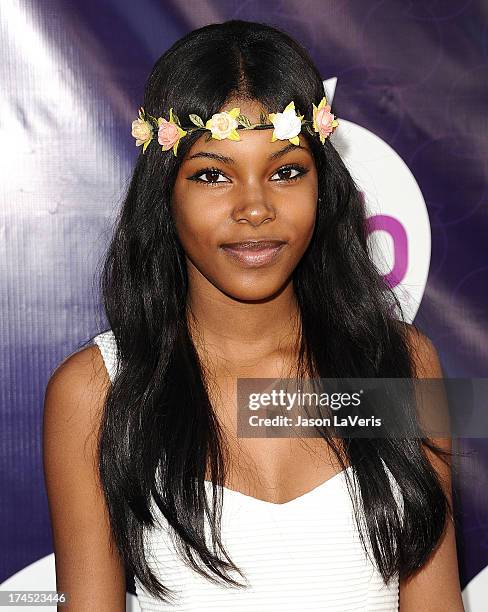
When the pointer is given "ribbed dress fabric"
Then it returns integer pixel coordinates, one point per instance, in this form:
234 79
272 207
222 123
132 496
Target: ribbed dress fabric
301 555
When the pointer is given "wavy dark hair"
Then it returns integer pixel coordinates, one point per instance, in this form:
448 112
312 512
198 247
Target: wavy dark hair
159 431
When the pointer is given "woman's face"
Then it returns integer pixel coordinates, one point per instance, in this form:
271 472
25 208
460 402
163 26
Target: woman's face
249 190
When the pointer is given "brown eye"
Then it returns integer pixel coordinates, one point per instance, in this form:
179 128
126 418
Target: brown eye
286 172
210 176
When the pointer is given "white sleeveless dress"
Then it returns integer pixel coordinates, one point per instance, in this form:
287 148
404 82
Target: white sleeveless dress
301 555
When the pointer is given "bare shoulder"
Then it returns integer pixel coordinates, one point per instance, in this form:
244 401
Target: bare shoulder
425 355
87 564
80 375
427 365
436 585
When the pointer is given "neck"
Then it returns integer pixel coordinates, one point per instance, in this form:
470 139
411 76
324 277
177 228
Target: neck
240 332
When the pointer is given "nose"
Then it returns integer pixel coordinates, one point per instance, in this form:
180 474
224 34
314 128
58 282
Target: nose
253 208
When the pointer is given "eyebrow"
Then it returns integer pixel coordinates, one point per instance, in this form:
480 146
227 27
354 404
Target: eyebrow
228 160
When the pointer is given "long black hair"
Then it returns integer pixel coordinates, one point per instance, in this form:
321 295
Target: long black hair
159 432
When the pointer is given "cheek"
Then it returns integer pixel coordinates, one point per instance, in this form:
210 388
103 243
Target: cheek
196 225
301 222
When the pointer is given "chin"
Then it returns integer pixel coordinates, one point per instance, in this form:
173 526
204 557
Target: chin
253 291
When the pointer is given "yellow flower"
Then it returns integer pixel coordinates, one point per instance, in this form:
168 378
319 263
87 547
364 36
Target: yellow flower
142 130
223 125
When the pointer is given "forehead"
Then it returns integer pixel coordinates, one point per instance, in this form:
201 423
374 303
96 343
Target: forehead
251 108
254 145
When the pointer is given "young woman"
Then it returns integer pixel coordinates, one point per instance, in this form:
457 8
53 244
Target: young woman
144 467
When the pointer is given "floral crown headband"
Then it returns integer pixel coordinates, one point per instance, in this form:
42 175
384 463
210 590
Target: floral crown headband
287 125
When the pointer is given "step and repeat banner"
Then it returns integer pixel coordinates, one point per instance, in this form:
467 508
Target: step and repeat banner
408 81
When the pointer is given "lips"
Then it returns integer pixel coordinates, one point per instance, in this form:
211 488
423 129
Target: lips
253 253
253 244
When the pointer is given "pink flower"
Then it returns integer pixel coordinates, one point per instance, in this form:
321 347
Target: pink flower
324 120
167 134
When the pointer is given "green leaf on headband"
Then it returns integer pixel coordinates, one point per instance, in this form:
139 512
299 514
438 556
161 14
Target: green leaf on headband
243 120
175 117
144 146
309 130
196 120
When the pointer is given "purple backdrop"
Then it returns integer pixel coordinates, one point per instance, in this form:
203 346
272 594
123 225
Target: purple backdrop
412 73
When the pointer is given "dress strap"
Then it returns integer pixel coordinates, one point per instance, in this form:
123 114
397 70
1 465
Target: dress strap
108 348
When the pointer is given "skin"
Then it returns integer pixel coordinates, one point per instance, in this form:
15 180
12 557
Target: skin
436 586
249 199
243 322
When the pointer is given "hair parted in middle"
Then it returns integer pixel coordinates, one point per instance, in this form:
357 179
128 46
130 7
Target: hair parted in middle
159 431
286 125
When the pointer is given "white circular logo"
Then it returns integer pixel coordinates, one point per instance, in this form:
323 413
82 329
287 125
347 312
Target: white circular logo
398 224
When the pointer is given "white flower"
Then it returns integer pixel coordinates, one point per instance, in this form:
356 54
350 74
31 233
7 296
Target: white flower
287 125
